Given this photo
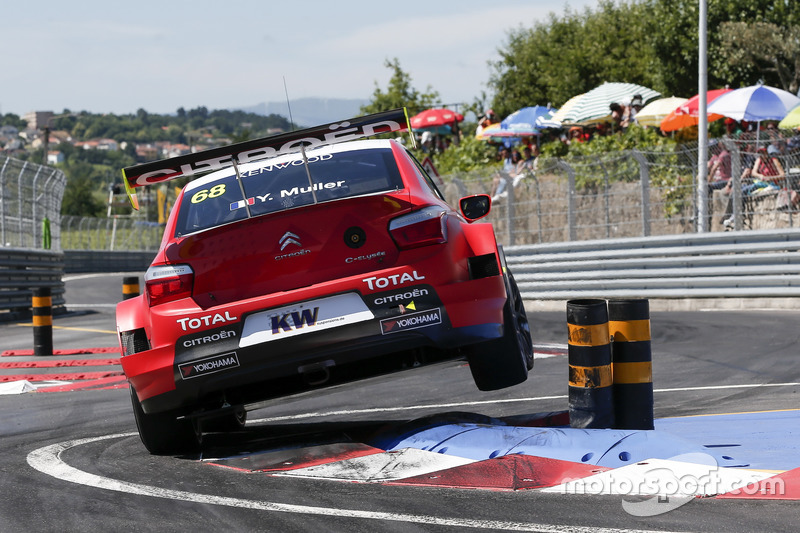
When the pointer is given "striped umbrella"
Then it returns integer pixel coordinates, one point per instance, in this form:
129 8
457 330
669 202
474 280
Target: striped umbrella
558 117
755 103
592 107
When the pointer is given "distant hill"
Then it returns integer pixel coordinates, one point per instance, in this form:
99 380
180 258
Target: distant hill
311 111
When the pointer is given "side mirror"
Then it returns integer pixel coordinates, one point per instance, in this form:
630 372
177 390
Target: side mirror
475 207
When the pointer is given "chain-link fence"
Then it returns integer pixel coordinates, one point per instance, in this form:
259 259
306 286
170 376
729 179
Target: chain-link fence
30 204
621 194
635 193
113 234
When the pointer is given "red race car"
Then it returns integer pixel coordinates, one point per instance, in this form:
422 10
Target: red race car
305 259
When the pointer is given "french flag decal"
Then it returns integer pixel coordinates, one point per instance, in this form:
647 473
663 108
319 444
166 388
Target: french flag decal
241 203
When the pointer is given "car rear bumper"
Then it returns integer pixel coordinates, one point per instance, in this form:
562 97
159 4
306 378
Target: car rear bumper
211 364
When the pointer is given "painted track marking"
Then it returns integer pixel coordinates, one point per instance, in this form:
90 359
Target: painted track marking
48 461
494 402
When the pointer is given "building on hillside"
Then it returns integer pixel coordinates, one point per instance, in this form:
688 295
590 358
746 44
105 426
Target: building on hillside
38 119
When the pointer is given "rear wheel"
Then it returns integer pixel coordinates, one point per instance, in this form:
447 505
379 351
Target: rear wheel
504 362
164 433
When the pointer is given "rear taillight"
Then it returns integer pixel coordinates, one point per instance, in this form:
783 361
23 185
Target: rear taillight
165 283
420 228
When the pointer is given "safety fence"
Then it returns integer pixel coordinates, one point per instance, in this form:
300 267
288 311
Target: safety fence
632 193
629 193
737 264
24 270
111 234
30 204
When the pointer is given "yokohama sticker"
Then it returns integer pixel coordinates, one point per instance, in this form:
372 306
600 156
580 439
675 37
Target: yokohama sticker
415 321
208 365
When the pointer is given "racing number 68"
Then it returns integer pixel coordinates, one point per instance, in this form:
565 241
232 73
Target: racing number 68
213 192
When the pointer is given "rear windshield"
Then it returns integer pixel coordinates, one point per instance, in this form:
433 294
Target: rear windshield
284 184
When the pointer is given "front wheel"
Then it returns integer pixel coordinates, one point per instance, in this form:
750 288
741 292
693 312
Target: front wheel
504 362
164 433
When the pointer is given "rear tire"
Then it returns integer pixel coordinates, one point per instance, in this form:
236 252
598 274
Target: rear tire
164 433
504 362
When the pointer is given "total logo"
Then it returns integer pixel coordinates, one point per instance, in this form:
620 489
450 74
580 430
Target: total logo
392 281
206 320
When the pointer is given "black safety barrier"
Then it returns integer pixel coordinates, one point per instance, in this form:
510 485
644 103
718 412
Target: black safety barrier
589 352
130 287
42 303
631 354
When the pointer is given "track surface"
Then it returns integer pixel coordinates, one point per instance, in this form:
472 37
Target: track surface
100 478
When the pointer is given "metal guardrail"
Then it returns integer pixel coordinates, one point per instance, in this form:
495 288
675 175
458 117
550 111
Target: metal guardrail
746 264
22 271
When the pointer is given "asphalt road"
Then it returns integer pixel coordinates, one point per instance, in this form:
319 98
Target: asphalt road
701 363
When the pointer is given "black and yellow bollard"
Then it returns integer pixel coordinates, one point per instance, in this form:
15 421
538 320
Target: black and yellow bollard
42 304
589 352
629 326
130 287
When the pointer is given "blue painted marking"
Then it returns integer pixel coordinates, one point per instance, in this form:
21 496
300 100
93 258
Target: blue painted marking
769 441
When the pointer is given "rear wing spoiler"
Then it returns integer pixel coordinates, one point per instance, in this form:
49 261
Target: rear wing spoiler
264 148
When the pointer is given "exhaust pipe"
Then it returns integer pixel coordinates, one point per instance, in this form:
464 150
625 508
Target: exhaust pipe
316 373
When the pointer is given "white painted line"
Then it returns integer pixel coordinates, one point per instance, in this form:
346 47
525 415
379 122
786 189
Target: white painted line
381 467
490 402
48 461
404 408
724 387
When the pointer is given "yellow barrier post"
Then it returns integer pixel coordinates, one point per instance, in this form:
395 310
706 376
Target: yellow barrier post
629 326
130 287
589 352
42 304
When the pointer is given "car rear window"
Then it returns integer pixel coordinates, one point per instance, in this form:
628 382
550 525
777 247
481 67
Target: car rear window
284 183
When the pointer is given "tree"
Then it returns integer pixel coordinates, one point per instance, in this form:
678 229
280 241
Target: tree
650 42
400 93
765 47
79 199
572 54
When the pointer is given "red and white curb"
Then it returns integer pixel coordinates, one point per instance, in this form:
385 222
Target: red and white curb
410 466
36 380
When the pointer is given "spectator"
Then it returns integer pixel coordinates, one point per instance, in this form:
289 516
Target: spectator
530 159
719 170
508 171
620 116
486 120
636 105
575 135
527 164
764 175
767 167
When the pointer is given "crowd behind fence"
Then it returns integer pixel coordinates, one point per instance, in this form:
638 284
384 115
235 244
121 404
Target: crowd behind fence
628 193
636 193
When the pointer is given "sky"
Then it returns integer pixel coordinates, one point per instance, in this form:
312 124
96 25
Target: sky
118 57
